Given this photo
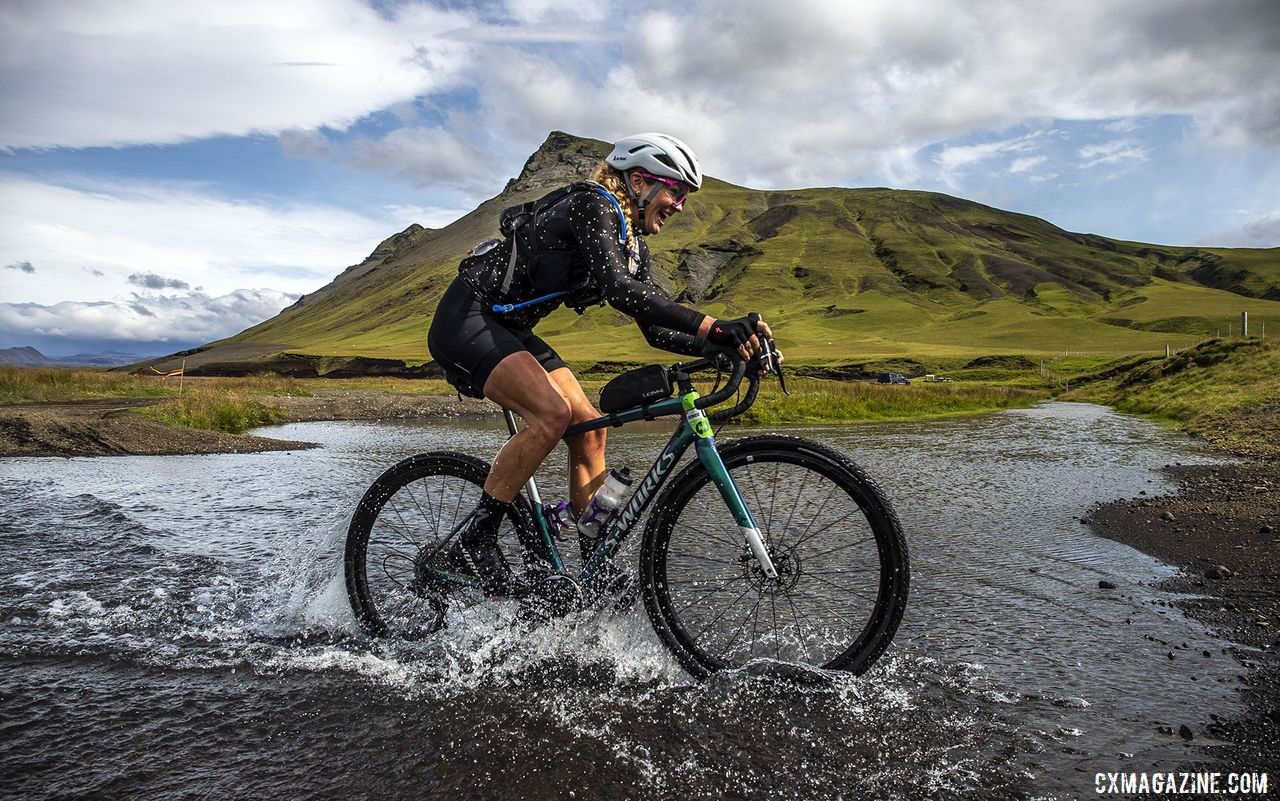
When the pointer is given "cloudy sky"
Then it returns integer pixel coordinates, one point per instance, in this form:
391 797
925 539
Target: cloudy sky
174 172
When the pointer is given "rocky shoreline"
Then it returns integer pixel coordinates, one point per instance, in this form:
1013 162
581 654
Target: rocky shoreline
107 428
1222 527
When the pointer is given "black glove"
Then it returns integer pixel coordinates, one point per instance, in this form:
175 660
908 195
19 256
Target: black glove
731 333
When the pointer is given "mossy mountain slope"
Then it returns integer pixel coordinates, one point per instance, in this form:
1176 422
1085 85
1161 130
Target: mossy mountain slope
838 271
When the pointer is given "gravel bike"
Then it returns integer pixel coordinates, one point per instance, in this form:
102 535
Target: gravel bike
768 547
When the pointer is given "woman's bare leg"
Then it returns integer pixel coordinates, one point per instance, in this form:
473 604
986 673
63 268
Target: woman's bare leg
586 451
520 384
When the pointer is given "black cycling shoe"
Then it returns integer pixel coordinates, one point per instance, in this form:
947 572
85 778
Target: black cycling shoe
477 550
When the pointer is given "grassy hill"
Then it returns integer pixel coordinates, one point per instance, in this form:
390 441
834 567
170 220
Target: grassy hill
1226 391
840 273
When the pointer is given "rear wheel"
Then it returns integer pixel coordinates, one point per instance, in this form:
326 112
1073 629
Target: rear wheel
397 568
834 540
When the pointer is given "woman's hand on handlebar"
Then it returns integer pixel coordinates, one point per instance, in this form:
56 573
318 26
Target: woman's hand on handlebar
742 334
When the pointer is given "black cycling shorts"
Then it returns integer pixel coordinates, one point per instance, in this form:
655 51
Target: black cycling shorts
468 342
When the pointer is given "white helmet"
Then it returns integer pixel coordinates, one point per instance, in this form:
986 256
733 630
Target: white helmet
659 154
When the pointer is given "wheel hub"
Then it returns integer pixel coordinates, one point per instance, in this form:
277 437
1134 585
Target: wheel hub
785 563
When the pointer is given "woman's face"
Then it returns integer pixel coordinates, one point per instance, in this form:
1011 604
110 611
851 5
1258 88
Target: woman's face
665 203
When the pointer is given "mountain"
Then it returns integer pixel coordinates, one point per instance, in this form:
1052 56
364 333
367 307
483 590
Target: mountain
29 356
25 356
838 272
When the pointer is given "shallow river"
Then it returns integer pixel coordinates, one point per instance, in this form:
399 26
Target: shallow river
177 627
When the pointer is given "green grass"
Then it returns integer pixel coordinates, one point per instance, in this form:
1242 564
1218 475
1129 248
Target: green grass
58 385
51 384
819 401
1215 390
1216 378
213 409
407 386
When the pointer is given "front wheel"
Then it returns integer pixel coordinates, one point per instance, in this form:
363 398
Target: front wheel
835 543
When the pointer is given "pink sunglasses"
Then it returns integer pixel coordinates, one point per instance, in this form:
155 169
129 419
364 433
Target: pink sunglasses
678 190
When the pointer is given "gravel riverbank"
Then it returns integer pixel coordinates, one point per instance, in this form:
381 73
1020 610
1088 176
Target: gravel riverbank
109 428
1222 527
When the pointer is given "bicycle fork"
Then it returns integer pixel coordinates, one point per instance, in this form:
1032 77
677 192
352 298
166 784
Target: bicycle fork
705 444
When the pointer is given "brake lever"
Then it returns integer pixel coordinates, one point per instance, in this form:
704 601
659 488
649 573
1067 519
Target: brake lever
775 364
769 355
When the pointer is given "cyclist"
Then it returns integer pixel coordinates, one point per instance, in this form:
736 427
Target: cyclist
578 246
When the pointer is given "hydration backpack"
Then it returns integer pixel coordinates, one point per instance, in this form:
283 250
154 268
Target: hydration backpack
550 271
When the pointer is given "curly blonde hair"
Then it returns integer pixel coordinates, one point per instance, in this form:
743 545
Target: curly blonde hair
613 180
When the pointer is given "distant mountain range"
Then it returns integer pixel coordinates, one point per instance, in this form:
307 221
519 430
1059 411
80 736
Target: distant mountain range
31 357
840 273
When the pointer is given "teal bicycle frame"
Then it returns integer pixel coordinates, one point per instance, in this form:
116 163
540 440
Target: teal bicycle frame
694 428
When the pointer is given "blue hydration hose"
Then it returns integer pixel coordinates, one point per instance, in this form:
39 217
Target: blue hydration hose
506 308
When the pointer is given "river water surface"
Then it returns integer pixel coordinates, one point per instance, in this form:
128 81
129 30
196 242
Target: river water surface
177 627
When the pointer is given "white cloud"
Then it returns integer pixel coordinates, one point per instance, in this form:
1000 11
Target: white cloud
1027 163
118 72
1263 232
431 157
1116 151
816 91
954 160
181 319
154 281
310 144
538 12
1124 126
175 231
810 91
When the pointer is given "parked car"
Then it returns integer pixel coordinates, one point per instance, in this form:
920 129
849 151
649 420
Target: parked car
893 378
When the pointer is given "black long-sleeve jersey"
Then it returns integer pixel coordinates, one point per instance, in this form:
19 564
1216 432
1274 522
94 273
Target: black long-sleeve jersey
574 244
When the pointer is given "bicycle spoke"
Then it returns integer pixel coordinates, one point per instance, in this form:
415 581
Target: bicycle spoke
828 526
718 617
795 615
705 531
435 525
773 496
816 515
844 546
402 532
686 555
729 645
704 596
798 494
827 611
844 589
